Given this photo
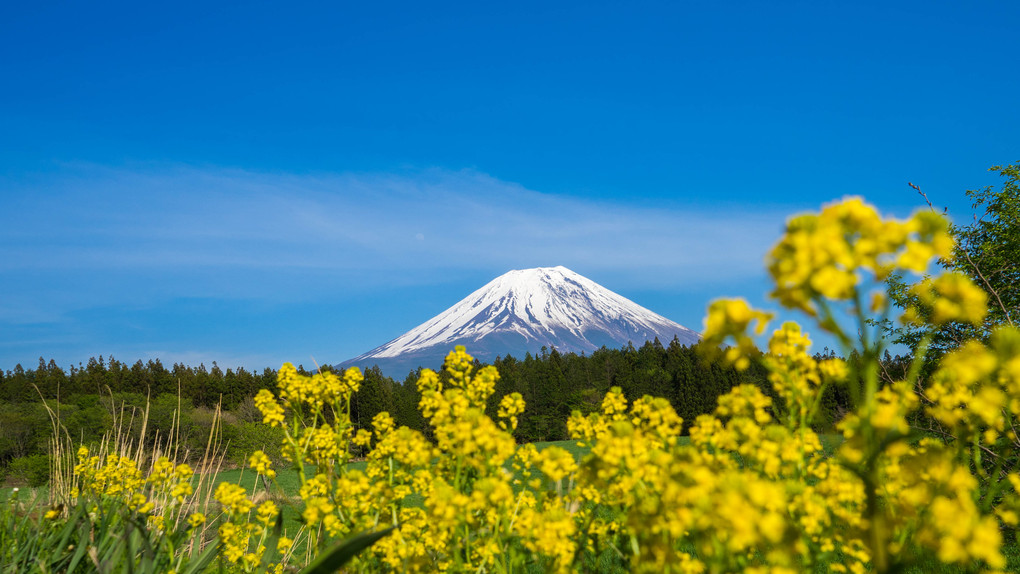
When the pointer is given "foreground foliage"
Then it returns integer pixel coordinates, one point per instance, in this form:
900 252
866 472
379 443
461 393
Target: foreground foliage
752 490
987 251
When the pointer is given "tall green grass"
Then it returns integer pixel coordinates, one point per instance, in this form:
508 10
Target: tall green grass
60 529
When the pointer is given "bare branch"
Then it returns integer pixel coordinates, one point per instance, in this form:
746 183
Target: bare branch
989 288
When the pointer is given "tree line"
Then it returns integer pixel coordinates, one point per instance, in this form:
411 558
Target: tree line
203 386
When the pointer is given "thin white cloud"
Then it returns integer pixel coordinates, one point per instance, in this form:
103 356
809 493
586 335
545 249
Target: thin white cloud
231 233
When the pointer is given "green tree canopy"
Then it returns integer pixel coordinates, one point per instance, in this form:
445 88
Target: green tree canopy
988 251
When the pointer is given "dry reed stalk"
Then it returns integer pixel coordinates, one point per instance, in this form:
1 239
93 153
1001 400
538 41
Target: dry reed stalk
119 440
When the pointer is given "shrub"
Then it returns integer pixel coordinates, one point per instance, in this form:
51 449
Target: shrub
246 438
33 470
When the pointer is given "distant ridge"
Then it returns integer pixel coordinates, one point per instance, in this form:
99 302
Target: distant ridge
522 311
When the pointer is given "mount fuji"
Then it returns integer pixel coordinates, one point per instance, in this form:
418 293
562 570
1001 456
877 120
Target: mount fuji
522 311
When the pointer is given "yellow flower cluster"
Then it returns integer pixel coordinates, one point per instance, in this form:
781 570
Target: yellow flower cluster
509 407
949 297
163 494
117 475
729 320
260 463
233 498
243 537
272 412
822 255
551 532
557 463
883 491
300 392
976 391
120 477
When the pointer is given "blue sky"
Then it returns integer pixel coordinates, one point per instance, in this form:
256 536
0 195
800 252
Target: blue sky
255 183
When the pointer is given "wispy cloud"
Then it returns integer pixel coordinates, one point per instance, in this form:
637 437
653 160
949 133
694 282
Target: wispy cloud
131 233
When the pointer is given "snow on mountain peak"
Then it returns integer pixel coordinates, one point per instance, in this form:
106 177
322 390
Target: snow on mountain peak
525 309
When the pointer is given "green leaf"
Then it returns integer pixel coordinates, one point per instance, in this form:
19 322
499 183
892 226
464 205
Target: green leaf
331 560
70 527
271 542
203 560
83 545
142 534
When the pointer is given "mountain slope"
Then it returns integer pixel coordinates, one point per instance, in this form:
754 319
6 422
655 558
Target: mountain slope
524 310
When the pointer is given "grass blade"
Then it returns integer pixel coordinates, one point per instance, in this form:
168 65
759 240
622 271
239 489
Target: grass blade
342 553
83 545
203 560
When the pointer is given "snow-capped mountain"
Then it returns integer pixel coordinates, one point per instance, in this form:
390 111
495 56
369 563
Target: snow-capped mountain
524 310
